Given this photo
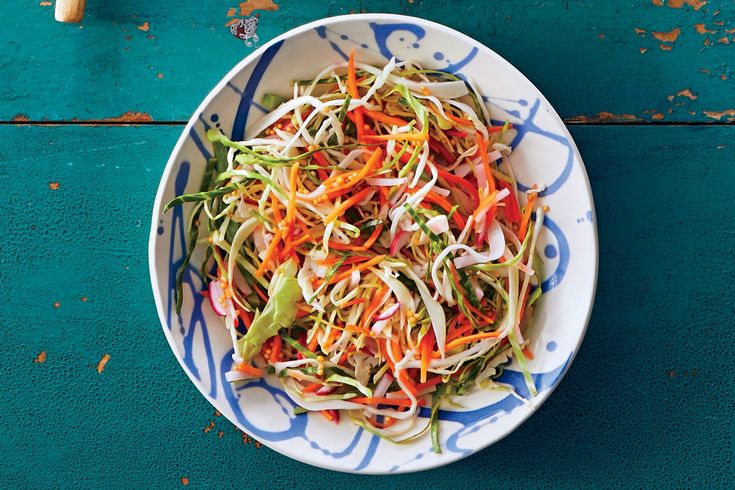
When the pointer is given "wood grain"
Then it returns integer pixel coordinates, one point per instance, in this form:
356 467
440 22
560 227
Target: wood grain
647 403
597 61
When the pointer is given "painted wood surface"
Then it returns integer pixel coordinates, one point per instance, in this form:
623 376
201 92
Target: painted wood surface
596 60
647 403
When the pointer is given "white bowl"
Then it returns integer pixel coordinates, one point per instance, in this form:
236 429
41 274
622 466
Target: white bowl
543 153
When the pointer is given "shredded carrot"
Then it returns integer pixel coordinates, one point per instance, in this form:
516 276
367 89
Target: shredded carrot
333 335
312 387
498 129
340 210
374 305
246 368
359 248
344 275
458 120
354 259
458 332
384 118
443 203
246 317
397 402
314 341
276 207
526 216
269 254
482 148
528 353
354 177
410 385
322 162
291 209
276 349
352 76
470 338
399 137
353 302
330 415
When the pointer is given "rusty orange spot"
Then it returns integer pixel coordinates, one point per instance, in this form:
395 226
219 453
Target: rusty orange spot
159 75
657 116
245 438
667 37
217 413
209 427
231 12
720 114
723 77
40 358
247 7
83 299
57 304
723 40
719 22
230 22
658 3
639 31
695 4
45 4
54 186
258 445
103 362
643 50
670 98
184 480
687 93
20 118
129 117
707 42
220 434
665 47
144 27
702 29
730 31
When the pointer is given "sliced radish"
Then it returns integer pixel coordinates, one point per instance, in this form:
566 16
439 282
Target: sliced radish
399 241
388 312
382 387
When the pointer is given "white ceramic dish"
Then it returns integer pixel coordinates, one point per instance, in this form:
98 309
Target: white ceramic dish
543 152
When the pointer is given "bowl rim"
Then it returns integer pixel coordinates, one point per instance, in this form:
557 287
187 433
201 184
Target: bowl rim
214 92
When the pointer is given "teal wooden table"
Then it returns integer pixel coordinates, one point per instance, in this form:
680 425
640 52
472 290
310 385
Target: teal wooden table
92 395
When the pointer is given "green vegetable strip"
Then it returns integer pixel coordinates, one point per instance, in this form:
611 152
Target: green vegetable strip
200 196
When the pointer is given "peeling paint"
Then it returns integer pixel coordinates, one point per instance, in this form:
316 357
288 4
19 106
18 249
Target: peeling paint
45 4
217 413
129 117
667 37
220 434
184 480
658 3
687 93
231 12
40 358
159 75
103 362
57 305
54 186
20 118
144 27
665 47
695 4
701 29
657 116
723 40
639 31
247 7
718 115
643 50
209 427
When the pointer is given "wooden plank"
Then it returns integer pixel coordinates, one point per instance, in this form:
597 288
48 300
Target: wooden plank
596 60
648 401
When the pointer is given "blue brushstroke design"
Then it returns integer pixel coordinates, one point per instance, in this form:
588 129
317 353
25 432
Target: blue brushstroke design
383 31
563 247
369 454
456 67
322 31
246 99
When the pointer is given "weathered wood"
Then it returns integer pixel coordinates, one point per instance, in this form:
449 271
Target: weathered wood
596 60
648 401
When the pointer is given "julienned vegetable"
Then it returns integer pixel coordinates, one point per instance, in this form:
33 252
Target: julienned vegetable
366 245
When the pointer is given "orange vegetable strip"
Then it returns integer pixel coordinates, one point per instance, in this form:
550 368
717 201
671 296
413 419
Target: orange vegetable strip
358 248
374 304
313 342
322 162
459 120
384 118
276 349
245 367
312 387
269 254
352 76
399 137
291 209
482 148
359 268
428 384
340 210
463 183
470 338
526 216
276 206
